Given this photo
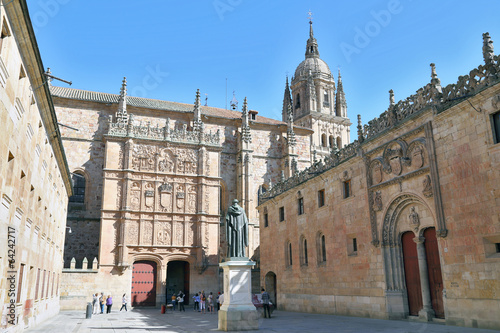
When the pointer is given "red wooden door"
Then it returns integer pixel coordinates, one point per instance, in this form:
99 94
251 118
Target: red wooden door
434 269
412 274
144 283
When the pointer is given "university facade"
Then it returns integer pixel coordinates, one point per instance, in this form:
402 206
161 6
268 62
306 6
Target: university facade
403 223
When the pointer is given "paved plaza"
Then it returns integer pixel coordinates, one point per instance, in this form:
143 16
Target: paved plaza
151 320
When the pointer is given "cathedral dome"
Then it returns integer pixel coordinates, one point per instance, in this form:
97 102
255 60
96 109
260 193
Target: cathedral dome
315 65
312 63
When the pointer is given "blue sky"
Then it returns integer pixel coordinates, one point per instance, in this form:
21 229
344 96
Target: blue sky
168 49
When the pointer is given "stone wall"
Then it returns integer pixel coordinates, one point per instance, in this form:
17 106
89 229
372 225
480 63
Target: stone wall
432 167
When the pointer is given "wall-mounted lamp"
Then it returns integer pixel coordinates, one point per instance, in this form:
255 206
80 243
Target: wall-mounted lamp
69 231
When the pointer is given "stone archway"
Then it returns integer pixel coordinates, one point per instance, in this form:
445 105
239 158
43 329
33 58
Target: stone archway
406 213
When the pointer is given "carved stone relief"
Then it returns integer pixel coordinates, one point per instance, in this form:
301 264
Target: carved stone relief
163 236
166 197
427 184
192 195
376 172
180 197
166 162
132 233
149 195
147 232
414 219
143 158
179 234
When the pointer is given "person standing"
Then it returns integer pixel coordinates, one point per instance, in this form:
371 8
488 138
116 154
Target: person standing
210 301
102 302
203 300
95 303
180 299
196 302
217 301
221 299
124 302
109 304
265 303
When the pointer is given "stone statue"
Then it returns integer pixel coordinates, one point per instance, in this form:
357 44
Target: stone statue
236 230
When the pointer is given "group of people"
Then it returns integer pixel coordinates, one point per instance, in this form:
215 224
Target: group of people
202 301
99 301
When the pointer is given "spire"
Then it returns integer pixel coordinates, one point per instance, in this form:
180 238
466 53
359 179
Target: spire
361 137
340 102
245 127
488 53
312 44
287 101
197 122
121 114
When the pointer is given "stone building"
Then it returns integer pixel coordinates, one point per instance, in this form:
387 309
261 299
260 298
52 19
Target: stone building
153 180
34 179
404 221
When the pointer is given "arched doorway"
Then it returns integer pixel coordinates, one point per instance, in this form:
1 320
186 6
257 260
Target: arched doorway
411 260
178 279
144 283
412 273
271 288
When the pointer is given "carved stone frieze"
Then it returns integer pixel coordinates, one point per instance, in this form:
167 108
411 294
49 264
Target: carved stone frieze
414 220
163 234
147 232
377 202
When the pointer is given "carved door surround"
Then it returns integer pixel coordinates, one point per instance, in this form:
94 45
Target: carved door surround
403 215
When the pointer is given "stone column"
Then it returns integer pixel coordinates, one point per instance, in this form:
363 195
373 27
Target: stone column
427 313
238 313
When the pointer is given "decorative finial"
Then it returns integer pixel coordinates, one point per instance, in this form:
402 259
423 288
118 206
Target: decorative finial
234 102
197 100
391 97
435 81
311 34
361 138
488 53
245 106
123 89
310 16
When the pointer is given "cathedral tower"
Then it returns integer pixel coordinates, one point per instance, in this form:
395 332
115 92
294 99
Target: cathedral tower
313 94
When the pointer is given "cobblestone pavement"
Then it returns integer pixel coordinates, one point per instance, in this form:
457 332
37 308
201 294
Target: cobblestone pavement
151 320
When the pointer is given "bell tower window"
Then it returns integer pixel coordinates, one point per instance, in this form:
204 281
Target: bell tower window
297 101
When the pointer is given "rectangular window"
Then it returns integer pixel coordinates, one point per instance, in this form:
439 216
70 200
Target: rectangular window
347 189
20 283
354 245
37 284
321 198
301 206
495 123
43 283
266 221
497 247
282 214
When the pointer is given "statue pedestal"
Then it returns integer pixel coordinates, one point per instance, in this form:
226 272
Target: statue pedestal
238 313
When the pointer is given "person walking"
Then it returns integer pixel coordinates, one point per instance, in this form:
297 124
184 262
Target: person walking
180 299
102 302
109 304
265 303
124 302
